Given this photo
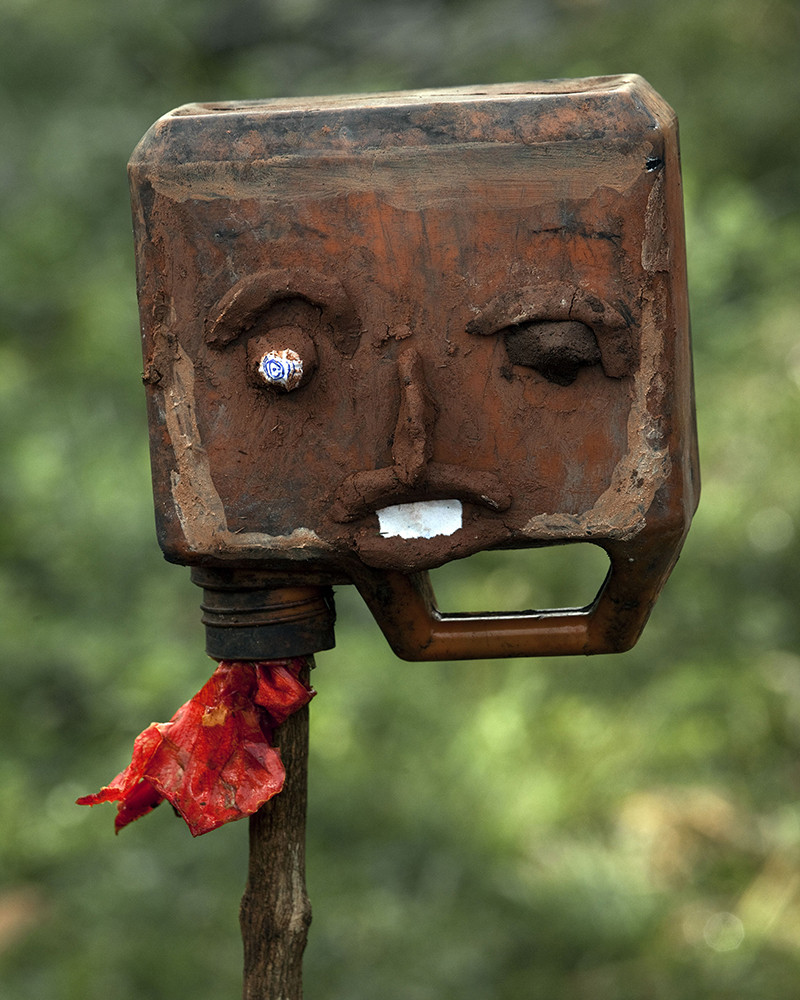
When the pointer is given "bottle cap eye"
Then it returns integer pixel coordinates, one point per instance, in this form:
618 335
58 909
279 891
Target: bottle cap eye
283 359
281 369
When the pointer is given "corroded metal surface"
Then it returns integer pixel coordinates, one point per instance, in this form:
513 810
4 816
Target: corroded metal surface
483 293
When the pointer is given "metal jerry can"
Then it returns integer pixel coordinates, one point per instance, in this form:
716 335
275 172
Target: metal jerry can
382 332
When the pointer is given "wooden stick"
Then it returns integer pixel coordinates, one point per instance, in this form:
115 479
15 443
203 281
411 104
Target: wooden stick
275 912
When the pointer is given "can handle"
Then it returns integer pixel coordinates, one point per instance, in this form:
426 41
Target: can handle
404 606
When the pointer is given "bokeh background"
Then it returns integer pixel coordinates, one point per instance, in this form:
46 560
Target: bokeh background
617 827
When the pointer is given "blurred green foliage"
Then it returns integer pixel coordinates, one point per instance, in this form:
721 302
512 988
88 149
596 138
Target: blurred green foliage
618 827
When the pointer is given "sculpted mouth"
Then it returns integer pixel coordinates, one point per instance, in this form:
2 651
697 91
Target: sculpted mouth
425 496
423 520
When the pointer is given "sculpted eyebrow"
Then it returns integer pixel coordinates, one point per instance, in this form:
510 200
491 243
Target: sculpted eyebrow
240 307
615 326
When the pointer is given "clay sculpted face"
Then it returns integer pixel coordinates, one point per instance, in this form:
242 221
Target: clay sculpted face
463 367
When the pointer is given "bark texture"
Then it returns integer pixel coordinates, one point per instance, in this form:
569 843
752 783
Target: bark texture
275 912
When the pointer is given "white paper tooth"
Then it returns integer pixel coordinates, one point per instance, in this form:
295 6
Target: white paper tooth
425 519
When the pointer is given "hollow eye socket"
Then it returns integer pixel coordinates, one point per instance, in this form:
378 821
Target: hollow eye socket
557 350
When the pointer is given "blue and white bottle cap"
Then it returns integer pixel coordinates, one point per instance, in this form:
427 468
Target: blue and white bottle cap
281 369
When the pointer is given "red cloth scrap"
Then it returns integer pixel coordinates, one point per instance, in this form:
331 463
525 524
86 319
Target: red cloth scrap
214 760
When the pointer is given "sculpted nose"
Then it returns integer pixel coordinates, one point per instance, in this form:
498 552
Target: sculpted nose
414 476
412 445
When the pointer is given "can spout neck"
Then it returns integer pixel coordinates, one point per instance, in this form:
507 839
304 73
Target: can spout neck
248 617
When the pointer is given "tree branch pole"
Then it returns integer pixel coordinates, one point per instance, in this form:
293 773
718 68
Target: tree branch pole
275 912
